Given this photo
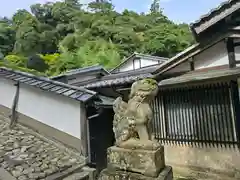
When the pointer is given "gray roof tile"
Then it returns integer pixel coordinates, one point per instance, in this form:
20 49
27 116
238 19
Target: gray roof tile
47 84
122 78
117 81
69 92
61 91
76 95
82 70
29 81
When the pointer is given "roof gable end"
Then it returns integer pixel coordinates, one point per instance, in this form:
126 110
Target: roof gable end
215 15
139 56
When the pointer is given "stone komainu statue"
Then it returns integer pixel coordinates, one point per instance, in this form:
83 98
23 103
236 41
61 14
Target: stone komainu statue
132 119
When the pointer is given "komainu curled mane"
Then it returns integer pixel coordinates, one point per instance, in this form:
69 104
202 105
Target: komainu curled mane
132 120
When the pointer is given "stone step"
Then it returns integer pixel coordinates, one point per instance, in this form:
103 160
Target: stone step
86 173
197 175
78 176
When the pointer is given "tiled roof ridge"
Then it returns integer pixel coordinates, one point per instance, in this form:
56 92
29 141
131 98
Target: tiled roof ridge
117 81
151 56
48 80
122 78
87 67
212 12
25 77
84 69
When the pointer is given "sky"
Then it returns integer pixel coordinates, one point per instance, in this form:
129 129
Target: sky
179 11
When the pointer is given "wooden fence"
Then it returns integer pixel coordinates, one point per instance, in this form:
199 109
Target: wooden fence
203 114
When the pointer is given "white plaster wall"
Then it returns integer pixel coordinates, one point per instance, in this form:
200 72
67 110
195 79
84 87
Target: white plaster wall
126 67
129 65
146 62
54 110
213 56
137 64
237 53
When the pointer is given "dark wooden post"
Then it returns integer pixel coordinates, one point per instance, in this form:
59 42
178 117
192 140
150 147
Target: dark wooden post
231 52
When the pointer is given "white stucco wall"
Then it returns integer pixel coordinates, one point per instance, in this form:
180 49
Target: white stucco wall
237 53
136 64
54 110
237 50
147 62
213 56
126 66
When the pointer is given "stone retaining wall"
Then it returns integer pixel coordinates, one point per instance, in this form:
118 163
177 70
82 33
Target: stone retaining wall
218 162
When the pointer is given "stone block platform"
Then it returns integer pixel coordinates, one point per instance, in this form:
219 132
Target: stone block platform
113 174
137 164
145 162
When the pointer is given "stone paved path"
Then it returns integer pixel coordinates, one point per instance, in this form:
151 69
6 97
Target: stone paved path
27 155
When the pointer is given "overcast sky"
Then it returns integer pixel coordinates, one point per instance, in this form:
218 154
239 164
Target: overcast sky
177 10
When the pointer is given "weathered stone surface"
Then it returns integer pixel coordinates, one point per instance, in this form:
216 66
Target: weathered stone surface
132 119
16 173
148 163
92 172
5 175
25 154
23 177
113 174
78 176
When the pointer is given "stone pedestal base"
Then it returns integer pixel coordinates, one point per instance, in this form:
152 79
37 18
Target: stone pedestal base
145 162
137 164
113 174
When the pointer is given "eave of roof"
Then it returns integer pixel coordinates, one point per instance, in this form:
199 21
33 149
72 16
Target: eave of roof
94 68
144 70
139 55
117 81
77 93
176 58
104 101
122 78
215 15
193 77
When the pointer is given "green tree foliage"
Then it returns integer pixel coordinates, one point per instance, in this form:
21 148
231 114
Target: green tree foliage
37 63
92 52
55 37
7 36
15 60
